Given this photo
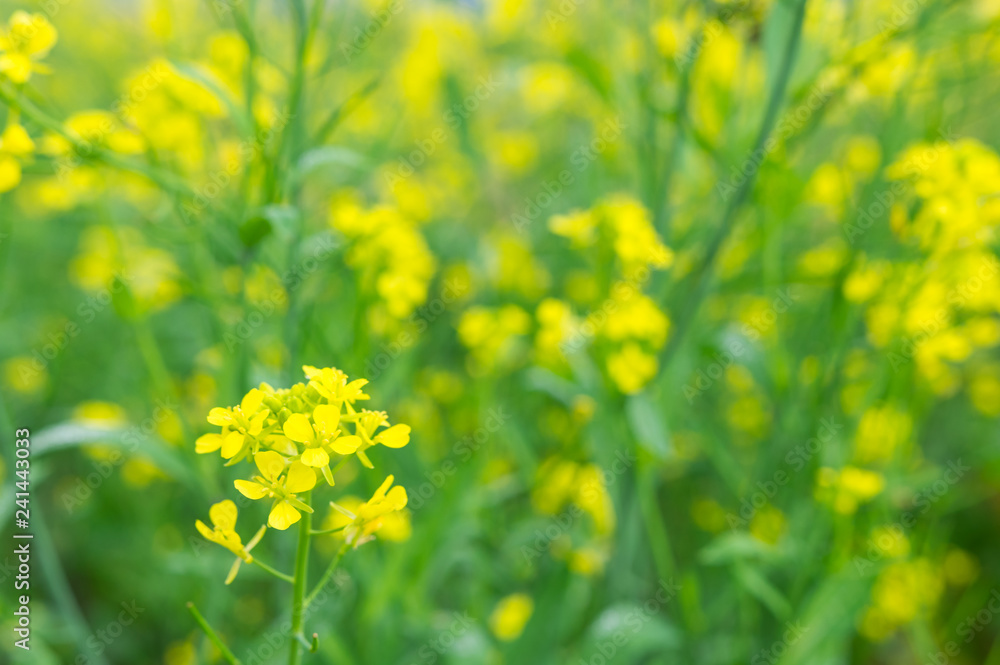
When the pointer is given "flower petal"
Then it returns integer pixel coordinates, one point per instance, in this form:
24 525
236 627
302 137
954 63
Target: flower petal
219 416
345 445
283 516
298 428
223 515
300 478
270 463
232 444
250 490
251 402
327 418
396 436
397 497
208 443
315 457
205 531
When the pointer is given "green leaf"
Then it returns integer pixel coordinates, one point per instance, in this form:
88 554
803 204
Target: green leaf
734 546
254 230
751 579
327 157
131 440
647 424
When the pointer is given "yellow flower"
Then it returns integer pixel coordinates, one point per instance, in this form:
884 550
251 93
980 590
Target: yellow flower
367 422
27 39
580 226
332 384
15 146
511 615
371 515
321 437
241 428
281 484
223 532
631 368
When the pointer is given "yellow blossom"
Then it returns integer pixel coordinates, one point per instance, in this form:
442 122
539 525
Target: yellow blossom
223 532
510 616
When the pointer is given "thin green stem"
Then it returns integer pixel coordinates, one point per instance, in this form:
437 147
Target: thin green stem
212 635
167 181
299 589
328 574
277 573
704 277
325 531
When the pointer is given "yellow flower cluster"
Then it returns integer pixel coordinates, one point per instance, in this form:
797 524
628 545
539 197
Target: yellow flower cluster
150 275
904 591
638 329
291 433
846 489
947 206
490 332
882 432
16 147
625 223
630 320
567 487
394 261
26 39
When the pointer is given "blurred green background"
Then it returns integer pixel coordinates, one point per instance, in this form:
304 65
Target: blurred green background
692 308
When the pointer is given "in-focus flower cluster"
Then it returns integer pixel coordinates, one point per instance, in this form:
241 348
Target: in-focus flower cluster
289 435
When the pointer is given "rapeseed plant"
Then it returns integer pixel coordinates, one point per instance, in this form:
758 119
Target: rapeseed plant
288 434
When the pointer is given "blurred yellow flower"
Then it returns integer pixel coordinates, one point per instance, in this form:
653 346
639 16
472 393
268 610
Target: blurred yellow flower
223 532
26 39
510 616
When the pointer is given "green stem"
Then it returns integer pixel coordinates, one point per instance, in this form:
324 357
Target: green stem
212 635
328 574
277 573
299 590
325 531
702 281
